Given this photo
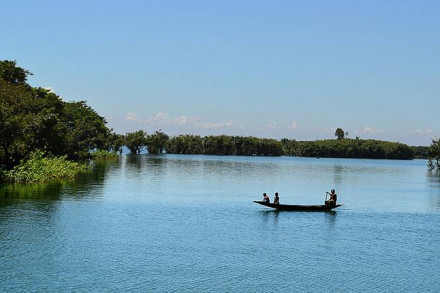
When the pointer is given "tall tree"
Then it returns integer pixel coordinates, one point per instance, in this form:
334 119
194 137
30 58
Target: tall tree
136 141
339 133
434 154
156 142
116 142
86 129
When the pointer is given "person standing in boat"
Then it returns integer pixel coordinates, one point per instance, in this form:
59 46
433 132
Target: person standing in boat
266 198
333 198
276 199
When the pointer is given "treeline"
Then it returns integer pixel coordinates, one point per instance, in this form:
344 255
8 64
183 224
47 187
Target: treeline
348 148
251 146
224 145
159 142
420 152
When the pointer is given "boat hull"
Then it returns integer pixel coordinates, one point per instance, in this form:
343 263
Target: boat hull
305 208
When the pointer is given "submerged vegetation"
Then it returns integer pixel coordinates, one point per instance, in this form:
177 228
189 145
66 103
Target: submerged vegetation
41 134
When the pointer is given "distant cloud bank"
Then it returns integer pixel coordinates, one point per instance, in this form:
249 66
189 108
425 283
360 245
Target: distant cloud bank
162 119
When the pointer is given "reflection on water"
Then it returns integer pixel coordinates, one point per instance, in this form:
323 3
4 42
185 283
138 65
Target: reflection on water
85 185
14 194
433 181
338 171
434 177
269 216
272 216
330 218
134 161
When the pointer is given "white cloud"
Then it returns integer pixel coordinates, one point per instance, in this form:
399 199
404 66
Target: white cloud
164 119
185 120
272 125
371 130
422 131
131 117
211 125
294 125
159 118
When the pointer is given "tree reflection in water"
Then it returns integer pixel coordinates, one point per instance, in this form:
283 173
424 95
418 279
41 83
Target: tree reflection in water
80 187
433 181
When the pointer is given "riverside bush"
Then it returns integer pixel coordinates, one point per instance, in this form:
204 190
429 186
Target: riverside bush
41 168
104 155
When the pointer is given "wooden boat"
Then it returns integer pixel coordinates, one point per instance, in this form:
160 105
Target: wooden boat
305 208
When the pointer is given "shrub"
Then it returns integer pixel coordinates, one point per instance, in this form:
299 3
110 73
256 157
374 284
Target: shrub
41 168
104 155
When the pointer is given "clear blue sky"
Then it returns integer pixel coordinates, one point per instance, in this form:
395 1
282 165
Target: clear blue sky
295 69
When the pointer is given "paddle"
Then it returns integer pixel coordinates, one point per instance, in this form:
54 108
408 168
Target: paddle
326 194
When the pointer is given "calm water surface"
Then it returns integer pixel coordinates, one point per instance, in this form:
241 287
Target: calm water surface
188 224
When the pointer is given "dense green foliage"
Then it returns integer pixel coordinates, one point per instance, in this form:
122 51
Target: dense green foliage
420 152
156 142
348 148
339 133
185 144
116 142
104 155
223 145
11 73
136 141
86 130
38 119
434 154
39 168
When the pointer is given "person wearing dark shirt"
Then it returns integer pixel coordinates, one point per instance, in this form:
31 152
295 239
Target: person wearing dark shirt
333 198
276 199
266 198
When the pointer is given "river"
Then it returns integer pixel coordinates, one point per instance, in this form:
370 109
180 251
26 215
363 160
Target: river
184 223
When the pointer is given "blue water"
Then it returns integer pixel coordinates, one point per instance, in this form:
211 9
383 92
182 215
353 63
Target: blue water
176 223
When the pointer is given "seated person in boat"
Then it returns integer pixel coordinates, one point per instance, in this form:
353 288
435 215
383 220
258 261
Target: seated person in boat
266 198
333 198
276 199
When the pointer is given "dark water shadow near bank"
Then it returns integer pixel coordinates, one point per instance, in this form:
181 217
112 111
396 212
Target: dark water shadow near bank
15 193
83 186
